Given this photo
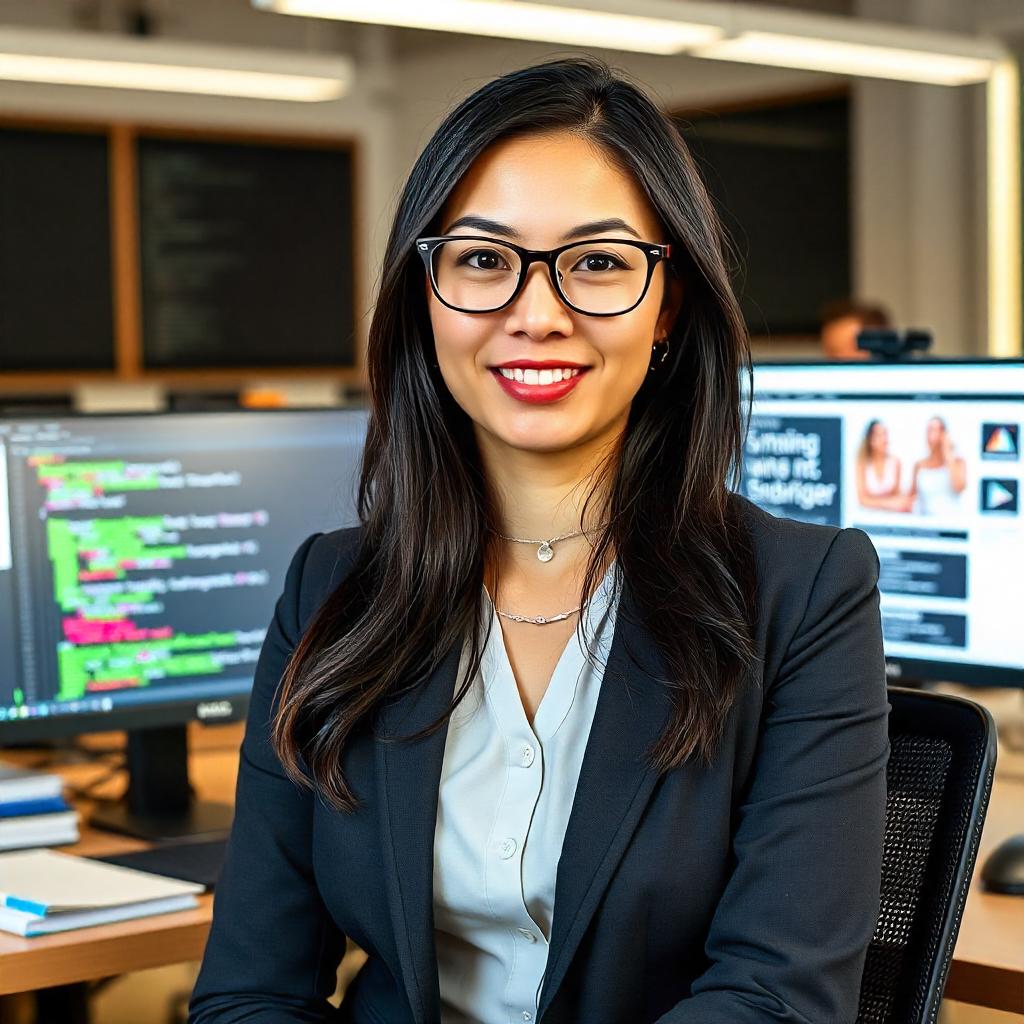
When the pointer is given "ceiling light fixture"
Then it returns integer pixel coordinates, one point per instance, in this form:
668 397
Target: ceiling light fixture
850 58
515 19
86 59
1003 195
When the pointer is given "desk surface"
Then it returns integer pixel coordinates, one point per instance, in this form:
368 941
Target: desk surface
988 962
987 969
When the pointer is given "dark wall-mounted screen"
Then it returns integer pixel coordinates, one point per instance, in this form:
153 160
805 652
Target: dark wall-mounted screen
56 293
780 177
246 254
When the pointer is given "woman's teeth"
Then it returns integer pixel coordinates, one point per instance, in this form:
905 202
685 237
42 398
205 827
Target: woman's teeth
539 376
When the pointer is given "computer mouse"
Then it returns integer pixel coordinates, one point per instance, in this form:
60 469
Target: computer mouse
1003 870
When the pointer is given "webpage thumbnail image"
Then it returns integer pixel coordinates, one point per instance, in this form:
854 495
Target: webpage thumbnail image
937 487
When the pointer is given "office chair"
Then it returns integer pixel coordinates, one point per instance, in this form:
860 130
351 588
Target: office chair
939 779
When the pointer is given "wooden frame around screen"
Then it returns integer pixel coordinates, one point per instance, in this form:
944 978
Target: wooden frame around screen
122 138
782 99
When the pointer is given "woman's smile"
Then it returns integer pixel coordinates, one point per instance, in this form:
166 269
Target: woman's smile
538 382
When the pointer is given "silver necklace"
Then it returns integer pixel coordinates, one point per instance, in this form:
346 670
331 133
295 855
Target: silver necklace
538 620
545 551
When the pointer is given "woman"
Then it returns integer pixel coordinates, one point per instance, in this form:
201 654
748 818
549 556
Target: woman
565 731
878 472
941 476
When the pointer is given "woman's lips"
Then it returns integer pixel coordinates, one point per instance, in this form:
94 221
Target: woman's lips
538 393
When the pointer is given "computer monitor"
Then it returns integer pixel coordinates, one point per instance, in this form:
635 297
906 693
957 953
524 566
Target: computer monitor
140 560
925 457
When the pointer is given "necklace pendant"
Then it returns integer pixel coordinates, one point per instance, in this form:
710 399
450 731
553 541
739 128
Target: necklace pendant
545 552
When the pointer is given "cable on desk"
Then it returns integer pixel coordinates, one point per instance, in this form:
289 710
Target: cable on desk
85 792
67 755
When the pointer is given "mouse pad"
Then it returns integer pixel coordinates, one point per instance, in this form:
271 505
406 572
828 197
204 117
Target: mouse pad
193 862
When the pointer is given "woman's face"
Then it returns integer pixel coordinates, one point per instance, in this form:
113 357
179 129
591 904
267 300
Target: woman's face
934 432
879 440
541 189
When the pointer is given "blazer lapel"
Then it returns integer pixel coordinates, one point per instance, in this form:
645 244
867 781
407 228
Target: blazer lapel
614 786
408 776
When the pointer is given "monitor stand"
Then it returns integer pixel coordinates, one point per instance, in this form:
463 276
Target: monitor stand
159 804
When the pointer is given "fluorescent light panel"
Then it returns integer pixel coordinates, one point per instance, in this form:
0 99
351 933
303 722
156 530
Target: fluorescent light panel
846 58
122 62
167 78
535 21
1005 302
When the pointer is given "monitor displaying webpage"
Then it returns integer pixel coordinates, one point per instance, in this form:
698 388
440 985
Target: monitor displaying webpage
925 457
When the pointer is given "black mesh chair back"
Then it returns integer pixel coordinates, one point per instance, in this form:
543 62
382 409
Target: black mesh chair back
939 779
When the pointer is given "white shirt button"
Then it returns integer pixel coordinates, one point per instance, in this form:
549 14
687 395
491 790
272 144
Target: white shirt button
507 848
526 755
527 1016
527 934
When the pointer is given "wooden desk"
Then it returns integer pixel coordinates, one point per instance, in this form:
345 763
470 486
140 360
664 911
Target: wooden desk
987 969
988 962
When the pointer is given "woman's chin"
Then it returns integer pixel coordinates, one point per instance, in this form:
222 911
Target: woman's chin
547 445
531 434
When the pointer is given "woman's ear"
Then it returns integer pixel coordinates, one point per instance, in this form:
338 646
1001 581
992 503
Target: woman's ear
671 305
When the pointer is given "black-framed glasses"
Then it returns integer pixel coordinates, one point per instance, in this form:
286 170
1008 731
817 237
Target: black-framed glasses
596 277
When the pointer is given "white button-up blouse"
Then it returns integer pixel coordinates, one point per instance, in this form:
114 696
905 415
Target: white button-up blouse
505 794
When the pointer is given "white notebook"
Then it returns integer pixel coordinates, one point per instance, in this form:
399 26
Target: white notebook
54 829
44 891
18 783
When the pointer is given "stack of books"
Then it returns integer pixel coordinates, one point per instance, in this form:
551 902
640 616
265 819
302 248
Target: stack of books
33 811
43 891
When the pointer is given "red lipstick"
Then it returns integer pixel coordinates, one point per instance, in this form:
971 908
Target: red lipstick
538 393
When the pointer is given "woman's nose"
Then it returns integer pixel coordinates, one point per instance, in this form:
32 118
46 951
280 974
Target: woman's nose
538 309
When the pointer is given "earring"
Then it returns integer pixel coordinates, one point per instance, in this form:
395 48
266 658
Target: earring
655 363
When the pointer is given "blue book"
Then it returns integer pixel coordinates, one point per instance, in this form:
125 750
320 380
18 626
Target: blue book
43 805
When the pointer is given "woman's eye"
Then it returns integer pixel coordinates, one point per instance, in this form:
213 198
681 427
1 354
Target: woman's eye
596 262
488 260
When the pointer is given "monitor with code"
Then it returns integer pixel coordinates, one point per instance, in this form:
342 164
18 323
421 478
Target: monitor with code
925 457
141 557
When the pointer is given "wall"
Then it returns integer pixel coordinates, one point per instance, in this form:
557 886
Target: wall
918 193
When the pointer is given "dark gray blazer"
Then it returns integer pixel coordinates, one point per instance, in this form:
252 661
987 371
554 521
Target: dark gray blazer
743 893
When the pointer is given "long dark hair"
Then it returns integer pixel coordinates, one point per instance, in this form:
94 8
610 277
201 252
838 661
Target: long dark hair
864 451
428 520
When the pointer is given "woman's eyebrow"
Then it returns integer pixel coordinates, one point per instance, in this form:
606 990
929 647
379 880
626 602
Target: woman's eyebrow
493 227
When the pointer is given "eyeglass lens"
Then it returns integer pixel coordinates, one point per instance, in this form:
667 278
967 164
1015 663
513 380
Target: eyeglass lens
602 277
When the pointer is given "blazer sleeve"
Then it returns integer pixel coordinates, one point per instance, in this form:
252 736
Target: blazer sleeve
789 936
273 950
